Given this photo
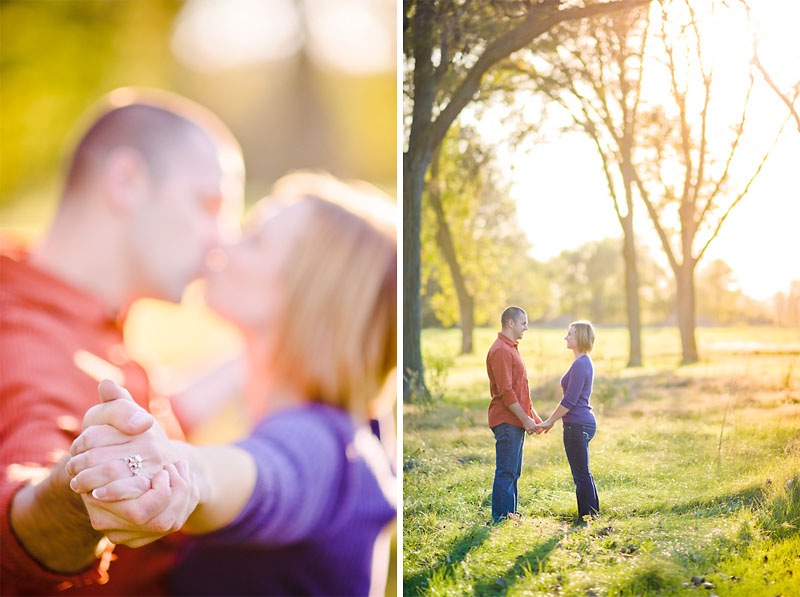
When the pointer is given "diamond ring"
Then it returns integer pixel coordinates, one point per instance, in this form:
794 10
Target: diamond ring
134 463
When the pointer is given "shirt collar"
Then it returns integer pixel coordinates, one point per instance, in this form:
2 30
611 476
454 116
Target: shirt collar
508 340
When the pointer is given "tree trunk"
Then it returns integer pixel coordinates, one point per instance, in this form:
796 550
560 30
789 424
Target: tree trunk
426 133
414 167
415 164
632 304
466 303
686 308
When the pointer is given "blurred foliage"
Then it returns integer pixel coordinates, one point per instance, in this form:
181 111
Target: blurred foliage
59 57
56 58
488 240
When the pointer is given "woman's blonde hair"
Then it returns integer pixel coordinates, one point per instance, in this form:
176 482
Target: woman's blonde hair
338 341
584 335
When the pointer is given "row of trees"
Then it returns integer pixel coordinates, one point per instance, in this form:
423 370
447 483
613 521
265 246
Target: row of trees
589 282
638 79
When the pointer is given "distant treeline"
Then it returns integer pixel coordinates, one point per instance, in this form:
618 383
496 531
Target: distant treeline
589 283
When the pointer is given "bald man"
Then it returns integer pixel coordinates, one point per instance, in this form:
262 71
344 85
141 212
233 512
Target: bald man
148 192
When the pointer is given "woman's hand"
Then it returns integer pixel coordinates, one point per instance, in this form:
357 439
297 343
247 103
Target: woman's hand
121 448
134 487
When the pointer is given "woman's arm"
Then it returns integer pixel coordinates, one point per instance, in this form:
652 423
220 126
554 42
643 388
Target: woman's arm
229 476
559 412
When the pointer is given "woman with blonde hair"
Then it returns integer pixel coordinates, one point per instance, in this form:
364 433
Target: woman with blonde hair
304 504
575 409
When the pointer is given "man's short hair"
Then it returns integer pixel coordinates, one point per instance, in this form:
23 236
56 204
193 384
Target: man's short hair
512 314
155 123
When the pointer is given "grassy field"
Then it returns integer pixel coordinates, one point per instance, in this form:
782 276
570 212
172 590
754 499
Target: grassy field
697 468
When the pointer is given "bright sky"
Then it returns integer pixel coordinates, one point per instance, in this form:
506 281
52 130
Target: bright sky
563 201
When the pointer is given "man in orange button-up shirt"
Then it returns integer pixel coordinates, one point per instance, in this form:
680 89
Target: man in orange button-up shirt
144 202
511 412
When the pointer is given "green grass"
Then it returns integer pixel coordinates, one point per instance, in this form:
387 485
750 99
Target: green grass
697 467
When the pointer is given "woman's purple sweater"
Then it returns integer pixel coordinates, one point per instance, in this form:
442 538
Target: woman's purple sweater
323 494
577 386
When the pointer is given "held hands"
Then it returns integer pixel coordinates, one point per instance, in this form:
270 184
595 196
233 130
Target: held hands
532 425
131 482
546 426
539 426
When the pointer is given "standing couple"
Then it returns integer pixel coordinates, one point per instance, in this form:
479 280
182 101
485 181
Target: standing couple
92 491
511 413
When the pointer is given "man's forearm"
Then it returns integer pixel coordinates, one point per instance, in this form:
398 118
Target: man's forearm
516 409
51 523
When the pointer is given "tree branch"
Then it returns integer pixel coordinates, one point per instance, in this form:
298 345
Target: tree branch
744 190
534 25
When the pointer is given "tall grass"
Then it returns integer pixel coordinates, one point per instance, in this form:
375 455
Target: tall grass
696 466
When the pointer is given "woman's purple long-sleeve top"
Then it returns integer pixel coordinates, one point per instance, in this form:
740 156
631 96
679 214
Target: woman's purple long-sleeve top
577 386
323 494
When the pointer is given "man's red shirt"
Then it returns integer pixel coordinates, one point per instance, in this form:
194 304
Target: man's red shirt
508 382
55 343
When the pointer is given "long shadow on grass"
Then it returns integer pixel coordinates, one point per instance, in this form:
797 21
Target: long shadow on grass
457 551
708 506
526 563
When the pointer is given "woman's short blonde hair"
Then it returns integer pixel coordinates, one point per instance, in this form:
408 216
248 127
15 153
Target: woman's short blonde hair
584 335
338 339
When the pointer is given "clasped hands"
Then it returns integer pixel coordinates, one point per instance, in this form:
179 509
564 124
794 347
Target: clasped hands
537 426
133 484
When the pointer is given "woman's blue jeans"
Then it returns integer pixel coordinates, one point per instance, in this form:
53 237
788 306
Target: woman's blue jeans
508 442
576 445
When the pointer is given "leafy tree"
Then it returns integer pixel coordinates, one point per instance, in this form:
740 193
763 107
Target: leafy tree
49 77
472 241
668 130
593 70
590 283
449 46
693 142
719 298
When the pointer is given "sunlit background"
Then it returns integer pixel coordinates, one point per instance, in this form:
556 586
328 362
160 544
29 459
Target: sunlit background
561 181
303 84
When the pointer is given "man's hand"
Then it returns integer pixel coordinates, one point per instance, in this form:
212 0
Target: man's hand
131 505
537 419
530 425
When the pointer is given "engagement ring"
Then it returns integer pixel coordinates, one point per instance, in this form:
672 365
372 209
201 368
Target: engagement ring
134 463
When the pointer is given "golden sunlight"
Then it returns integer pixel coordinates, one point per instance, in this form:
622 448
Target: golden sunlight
562 195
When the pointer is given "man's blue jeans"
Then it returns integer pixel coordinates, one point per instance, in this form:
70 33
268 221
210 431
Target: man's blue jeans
508 442
576 445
